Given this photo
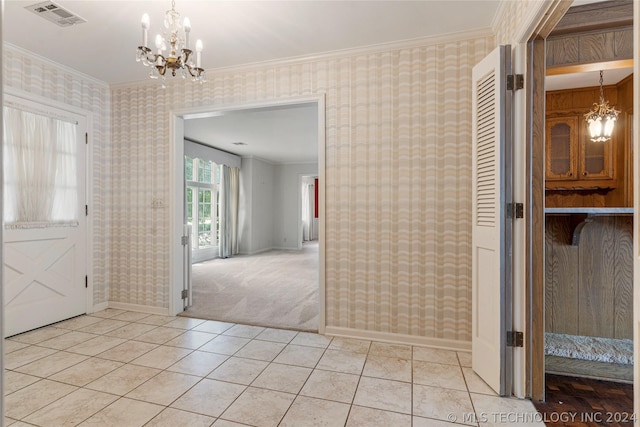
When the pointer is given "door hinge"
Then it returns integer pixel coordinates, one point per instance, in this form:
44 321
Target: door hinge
515 210
86 210
185 294
86 137
515 339
86 281
515 81
185 240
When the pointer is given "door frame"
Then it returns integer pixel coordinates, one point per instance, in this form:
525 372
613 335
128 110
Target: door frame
176 190
535 220
18 95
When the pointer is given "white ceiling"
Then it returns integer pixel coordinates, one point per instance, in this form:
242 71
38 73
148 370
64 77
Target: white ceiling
233 32
586 79
277 134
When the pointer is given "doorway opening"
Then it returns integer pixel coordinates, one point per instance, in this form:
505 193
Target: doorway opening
582 206
274 144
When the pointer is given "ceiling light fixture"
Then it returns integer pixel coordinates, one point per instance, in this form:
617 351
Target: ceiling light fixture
178 55
601 119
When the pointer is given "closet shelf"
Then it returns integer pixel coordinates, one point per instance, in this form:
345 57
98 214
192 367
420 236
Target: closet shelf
589 211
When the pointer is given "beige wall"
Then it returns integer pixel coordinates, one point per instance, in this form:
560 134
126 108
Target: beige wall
24 72
398 136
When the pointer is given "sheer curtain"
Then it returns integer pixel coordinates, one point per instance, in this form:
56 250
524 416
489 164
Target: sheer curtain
229 197
40 177
309 222
308 208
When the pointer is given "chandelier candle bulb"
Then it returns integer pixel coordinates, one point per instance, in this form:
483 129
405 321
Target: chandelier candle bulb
199 53
145 27
159 43
187 30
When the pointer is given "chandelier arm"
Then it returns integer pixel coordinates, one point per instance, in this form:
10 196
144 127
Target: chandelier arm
162 69
190 70
186 53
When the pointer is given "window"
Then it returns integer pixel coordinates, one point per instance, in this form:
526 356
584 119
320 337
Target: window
202 205
40 176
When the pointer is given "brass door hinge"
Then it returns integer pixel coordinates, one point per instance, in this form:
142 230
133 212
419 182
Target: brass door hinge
515 339
515 81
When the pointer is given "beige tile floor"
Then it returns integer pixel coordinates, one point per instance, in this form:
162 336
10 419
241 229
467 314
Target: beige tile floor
121 368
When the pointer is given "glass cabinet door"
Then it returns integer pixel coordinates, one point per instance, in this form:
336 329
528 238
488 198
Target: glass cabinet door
561 148
596 160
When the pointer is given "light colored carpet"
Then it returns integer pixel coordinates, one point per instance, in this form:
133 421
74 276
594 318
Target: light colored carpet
276 289
589 348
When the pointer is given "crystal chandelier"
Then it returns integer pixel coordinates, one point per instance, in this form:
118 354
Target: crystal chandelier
178 55
601 119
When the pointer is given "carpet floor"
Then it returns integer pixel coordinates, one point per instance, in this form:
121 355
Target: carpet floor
277 289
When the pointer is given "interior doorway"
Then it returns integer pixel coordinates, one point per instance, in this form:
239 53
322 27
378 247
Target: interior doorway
252 199
568 213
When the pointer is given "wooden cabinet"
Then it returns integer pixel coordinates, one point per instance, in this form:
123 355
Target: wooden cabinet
573 161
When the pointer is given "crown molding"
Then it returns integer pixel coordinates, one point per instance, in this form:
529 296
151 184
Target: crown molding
335 54
11 47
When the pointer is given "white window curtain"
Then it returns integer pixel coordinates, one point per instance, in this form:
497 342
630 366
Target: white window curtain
40 177
309 226
229 197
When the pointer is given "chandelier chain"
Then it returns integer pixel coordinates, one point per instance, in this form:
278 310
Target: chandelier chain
601 88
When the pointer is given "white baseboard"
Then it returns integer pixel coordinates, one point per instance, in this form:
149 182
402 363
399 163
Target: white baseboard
439 343
98 307
274 248
286 248
139 308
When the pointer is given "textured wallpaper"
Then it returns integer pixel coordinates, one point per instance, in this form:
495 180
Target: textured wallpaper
398 160
28 73
512 15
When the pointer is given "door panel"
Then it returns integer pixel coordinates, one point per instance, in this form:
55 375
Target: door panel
491 190
45 260
44 277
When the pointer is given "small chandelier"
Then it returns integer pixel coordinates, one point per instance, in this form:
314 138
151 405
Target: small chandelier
601 119
177 58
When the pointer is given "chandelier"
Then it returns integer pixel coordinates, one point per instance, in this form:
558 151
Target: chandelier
172 50
601 119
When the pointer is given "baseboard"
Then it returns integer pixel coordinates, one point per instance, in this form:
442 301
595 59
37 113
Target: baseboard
274 248
98 307
139 308
254 252
439 343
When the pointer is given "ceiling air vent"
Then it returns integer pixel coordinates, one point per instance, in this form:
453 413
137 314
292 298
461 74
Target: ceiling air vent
55 13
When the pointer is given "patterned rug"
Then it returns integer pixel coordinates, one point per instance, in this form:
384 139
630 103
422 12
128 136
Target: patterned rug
277 289
589 348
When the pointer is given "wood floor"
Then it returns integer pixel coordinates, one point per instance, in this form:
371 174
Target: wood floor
586 402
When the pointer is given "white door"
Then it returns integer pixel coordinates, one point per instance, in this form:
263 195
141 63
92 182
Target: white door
44 241
491 233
